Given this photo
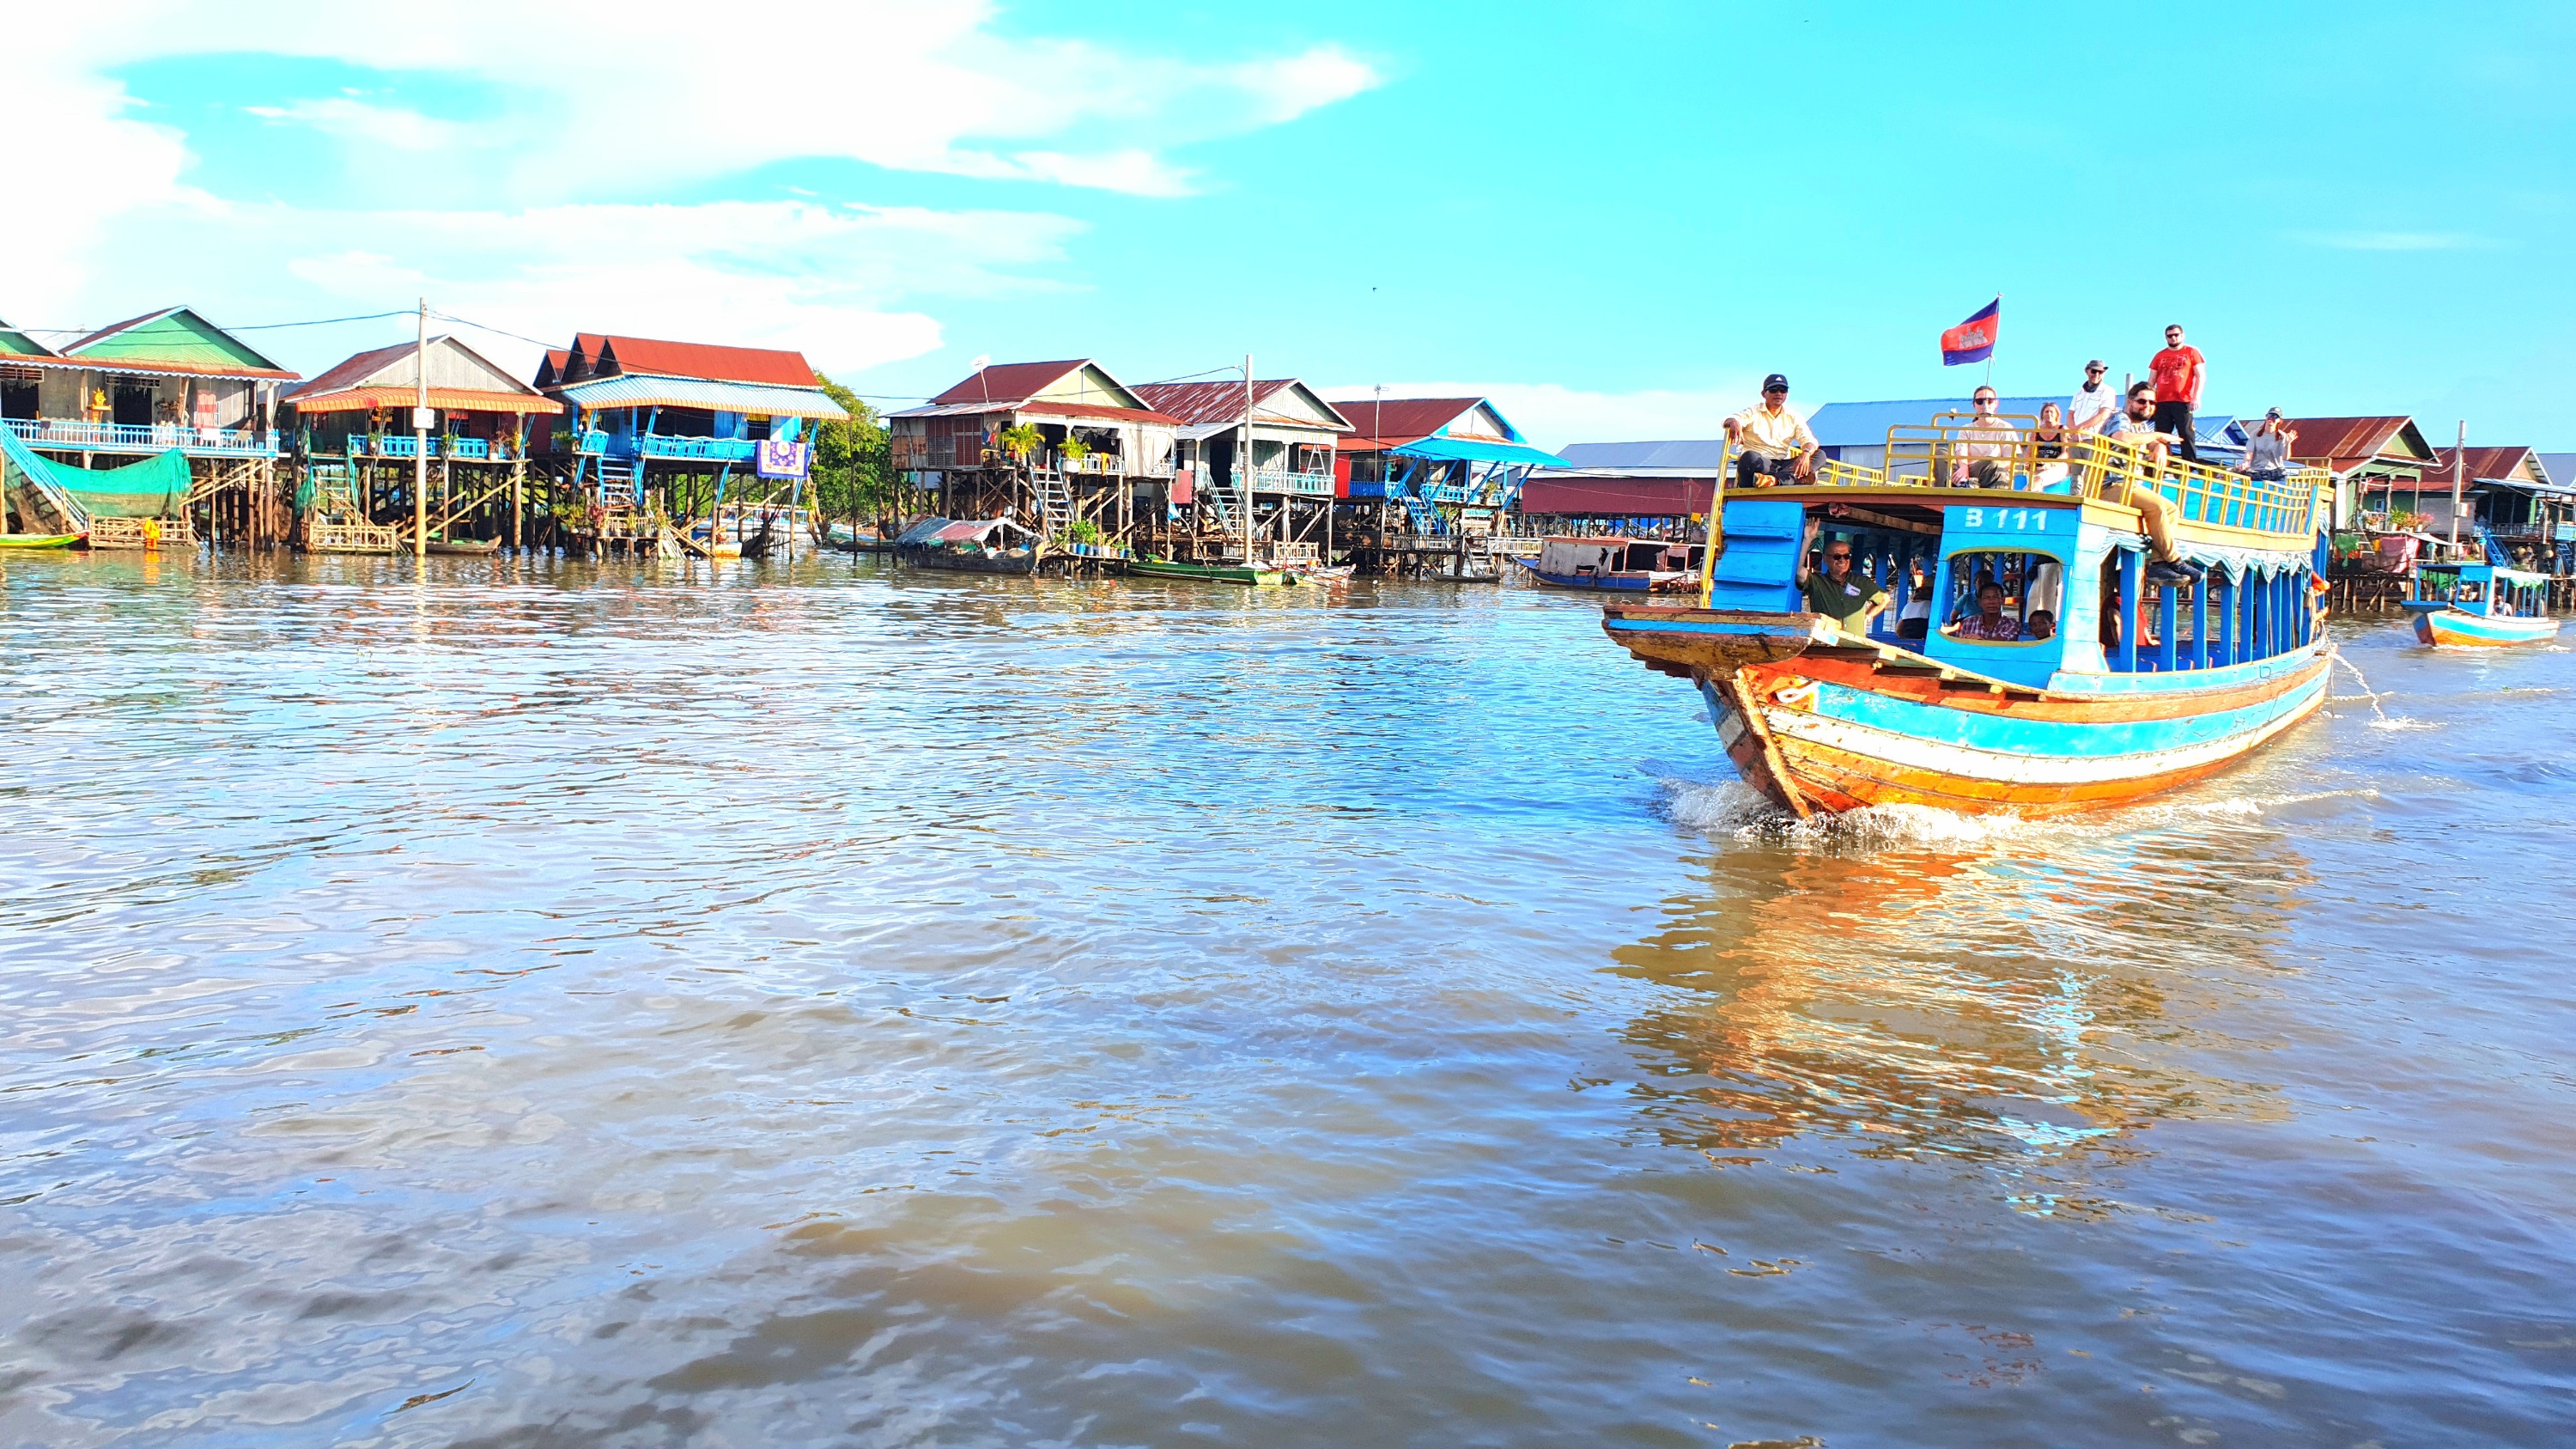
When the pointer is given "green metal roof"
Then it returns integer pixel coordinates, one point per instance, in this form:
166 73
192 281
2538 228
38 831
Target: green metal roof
14 343
178 340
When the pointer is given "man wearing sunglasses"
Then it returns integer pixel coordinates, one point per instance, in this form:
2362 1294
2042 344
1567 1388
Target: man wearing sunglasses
1773 444
1846 597
2179 371
2094 402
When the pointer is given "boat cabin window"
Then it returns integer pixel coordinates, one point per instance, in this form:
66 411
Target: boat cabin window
2228 616
2002 598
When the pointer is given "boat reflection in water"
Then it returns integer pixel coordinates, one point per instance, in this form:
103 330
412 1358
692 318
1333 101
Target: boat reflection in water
2024 994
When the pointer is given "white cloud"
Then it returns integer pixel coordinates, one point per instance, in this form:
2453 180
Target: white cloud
1551 415
581 114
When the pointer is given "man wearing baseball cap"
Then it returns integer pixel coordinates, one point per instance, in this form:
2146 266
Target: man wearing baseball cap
2095 401
1773 444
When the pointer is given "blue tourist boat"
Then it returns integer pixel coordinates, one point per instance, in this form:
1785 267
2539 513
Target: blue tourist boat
2088 685
2480 606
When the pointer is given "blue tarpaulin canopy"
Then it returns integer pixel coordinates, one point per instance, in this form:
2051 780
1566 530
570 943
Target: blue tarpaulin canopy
1472 450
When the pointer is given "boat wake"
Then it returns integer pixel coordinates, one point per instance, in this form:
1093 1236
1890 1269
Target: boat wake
1735 810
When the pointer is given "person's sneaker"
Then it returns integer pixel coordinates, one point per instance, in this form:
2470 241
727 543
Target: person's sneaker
2163 573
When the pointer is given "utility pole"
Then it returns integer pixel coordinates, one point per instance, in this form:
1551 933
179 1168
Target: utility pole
2459 477
420 441
1243 464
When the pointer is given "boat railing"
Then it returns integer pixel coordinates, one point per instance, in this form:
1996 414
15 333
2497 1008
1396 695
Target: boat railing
1948 452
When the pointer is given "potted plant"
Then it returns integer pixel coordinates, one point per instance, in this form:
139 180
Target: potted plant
1020 440
1072 450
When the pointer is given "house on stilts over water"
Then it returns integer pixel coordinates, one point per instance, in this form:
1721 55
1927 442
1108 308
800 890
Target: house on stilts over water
1280 510
688 445
354 429
1432 482
1035 465
168 389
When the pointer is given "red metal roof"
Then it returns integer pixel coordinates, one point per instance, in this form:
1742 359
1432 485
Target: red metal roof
1196 403
1396 421
2341 443
2483 462
699 360
1601 497
1008 383
356 366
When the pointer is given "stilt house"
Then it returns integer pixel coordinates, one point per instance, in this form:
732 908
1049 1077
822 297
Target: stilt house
353 427
1295 435
1048 445
651 419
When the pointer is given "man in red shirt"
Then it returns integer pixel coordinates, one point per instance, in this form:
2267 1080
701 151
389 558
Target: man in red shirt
2178 371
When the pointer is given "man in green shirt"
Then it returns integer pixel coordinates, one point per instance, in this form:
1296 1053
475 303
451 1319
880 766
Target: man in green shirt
1847 598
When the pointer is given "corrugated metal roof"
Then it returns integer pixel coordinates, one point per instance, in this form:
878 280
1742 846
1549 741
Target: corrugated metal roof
769 367
2341 443
188 357
1197 404
1478 450
2483 463
403 395
1010 382
1707 454
453 366
683 392
1388 422
1865 424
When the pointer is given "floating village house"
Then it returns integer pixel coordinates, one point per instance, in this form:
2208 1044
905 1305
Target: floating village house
163 383
1646 489
2378 463
2509 499
1281 510
1435 465
692 429
1049 446
353 426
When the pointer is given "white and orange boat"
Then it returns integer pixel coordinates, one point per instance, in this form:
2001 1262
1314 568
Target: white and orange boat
2094 686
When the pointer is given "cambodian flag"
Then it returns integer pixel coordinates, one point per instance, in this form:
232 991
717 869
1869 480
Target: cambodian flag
1974 339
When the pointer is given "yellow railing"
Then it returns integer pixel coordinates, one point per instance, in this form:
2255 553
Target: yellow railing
1946 453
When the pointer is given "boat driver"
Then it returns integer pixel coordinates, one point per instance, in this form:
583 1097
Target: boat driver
1773 444
1847 598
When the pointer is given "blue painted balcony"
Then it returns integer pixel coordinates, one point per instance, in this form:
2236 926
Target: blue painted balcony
60 435
407 445
694 450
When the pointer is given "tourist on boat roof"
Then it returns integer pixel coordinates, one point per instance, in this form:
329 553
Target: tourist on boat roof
1848 598
2267 453
1986 446
2095 401
2179 371
2137 427
1990 621
2048 448
1773 442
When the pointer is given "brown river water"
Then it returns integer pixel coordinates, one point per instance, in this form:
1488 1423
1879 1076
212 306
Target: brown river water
821 1005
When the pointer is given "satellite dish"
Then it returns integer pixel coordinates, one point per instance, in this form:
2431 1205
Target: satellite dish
983 360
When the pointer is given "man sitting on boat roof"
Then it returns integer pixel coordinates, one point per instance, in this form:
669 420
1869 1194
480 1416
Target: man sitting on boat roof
1847 598
1773 442
2136 426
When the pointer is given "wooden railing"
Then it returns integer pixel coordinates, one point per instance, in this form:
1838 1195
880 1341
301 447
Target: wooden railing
134 438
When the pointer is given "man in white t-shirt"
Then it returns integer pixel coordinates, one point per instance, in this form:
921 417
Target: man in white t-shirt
2095 401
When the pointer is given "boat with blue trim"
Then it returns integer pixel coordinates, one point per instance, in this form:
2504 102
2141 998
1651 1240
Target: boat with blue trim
1614 562
2480 605
2055 671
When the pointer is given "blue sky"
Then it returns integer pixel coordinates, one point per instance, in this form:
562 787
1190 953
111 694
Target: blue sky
1611 216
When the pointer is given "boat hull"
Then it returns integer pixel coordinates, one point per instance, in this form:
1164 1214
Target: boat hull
39 540
1628 581
2458 628
1207 573
1825 728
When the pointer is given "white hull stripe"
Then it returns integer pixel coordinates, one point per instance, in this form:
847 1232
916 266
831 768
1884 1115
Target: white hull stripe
1969 763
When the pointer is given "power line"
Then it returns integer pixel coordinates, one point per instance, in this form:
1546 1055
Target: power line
246 327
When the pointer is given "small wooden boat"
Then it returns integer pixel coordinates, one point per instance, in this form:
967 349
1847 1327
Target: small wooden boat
1615 563
1256 575
2480 606
974 546
2095 684
40 540
465 545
